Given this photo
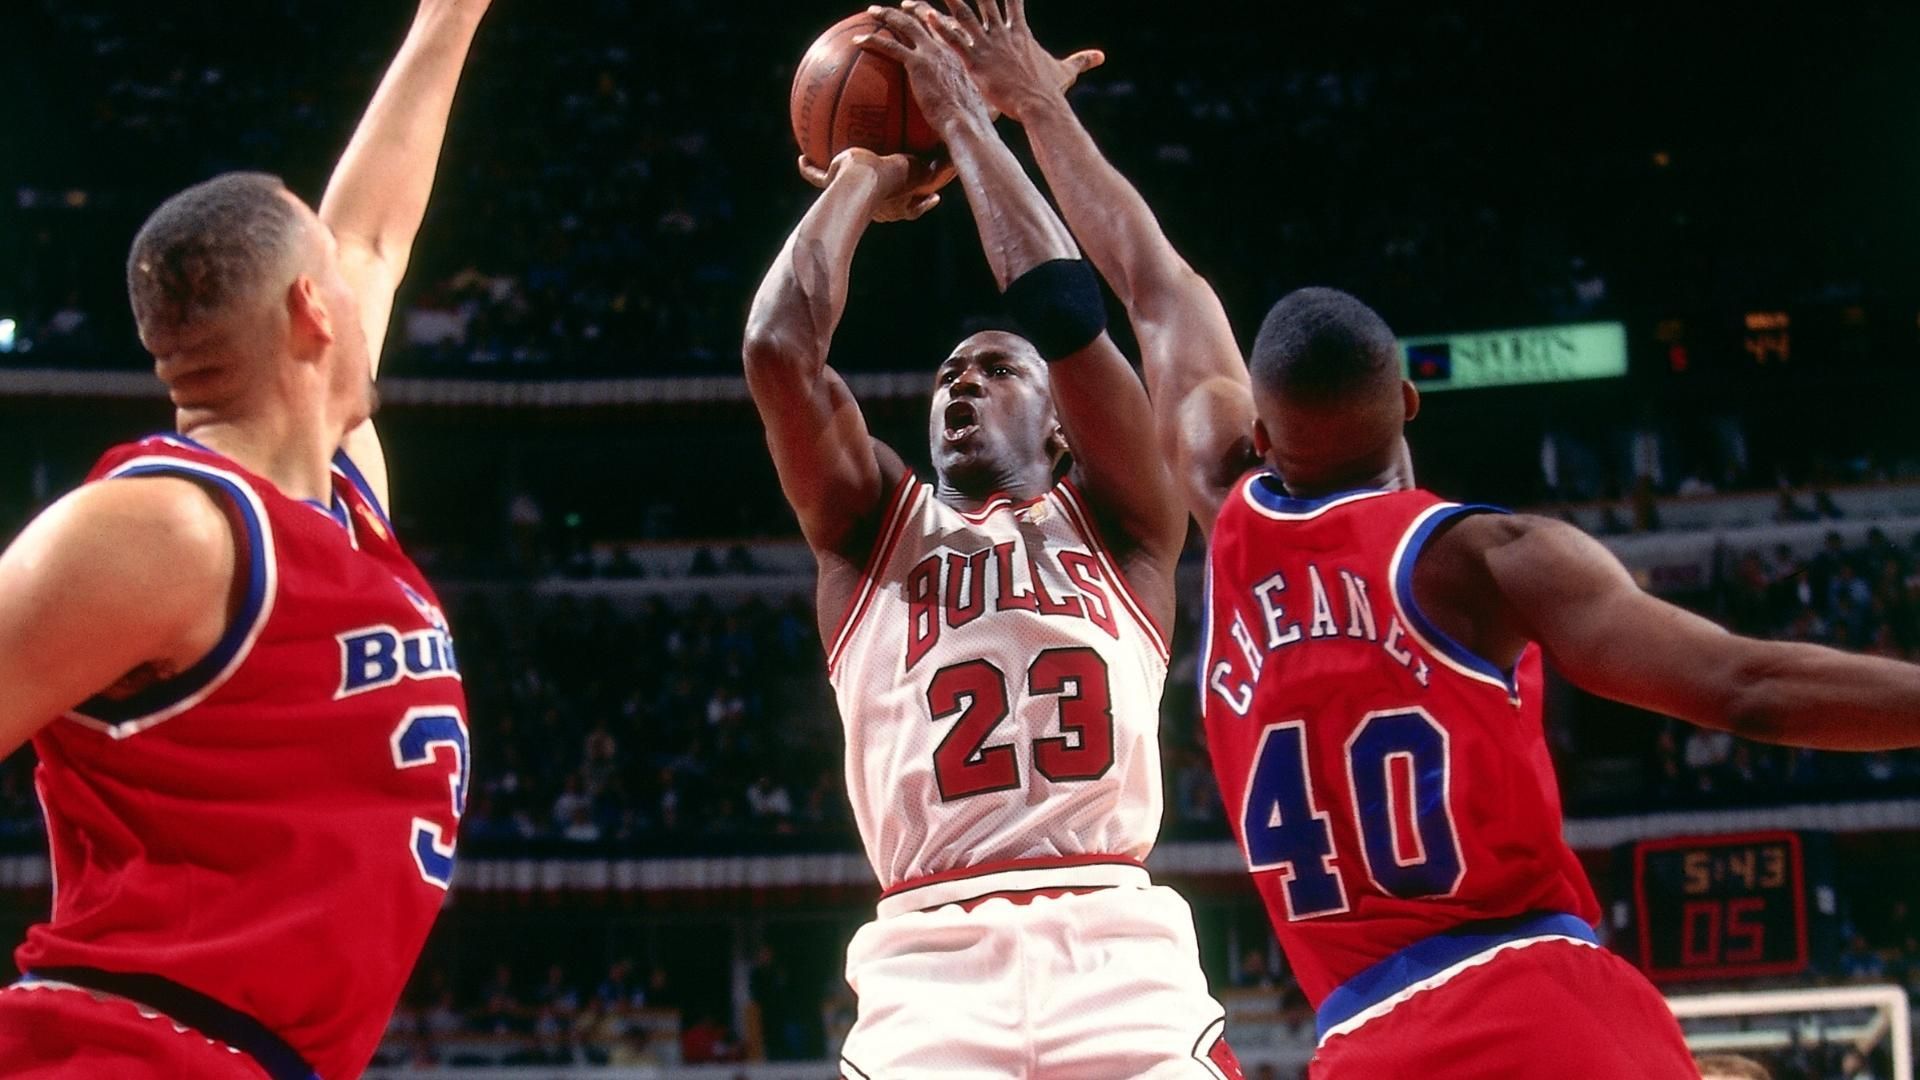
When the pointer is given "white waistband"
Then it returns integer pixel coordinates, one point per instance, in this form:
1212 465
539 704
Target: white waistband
940 890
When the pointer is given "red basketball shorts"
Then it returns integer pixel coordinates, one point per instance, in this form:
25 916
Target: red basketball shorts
52 1033
1546 1010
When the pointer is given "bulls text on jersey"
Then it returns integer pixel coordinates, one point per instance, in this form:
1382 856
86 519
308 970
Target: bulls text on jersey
949 589
373 657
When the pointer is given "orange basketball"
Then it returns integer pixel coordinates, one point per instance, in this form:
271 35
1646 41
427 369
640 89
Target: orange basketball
845 96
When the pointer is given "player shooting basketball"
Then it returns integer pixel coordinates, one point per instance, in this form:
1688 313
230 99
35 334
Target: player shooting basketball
251 732
996 641
1372 668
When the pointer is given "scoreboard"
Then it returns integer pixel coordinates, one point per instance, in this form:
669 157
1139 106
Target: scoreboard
1729 907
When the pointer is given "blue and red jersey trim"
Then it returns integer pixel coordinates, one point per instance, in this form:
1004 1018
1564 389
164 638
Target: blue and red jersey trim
1430 961
162 700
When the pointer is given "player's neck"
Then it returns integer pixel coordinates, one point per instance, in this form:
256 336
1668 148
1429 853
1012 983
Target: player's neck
1020 485
1395 474
296 456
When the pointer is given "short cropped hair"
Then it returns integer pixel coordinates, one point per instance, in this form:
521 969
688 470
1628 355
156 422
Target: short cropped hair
1321 345
206 247
1731 1065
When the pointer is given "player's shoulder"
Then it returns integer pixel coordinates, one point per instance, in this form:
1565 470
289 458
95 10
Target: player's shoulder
160 448
162 518
149 544
1452 564
1478 530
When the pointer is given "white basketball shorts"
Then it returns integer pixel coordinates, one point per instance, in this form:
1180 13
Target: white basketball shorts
1101 985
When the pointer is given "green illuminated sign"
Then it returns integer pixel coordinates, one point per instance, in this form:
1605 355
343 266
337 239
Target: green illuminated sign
1538 354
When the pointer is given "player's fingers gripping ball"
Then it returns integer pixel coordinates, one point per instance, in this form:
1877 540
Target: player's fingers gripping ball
845 96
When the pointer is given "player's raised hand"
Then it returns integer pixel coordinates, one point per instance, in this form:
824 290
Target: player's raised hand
939 79
1000 52
907 186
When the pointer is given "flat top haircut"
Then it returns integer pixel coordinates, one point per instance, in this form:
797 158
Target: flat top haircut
1320 346
208 247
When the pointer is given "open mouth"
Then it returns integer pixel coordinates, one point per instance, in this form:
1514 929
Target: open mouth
962 420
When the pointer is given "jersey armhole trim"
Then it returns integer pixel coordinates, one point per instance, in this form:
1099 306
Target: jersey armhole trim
167 699
1458 657
906 494
1082 518
343 464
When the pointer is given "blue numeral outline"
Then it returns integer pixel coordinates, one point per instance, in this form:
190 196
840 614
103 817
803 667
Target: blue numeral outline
1292 732
1439 847
1280 781
420 732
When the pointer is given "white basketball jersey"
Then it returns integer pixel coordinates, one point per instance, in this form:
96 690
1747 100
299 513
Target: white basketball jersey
1000 688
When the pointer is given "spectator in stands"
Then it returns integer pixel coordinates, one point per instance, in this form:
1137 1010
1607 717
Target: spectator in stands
770 803
582 829
1255 971
789 1012
1708 754
1790 512
503 1012
618 990
1861 962
705 1042
1849 605
573 801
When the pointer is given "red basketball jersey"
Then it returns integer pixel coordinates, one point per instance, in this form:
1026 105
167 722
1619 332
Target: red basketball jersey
274 827
1385 783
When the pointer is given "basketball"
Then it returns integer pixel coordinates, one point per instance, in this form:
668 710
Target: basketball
844 96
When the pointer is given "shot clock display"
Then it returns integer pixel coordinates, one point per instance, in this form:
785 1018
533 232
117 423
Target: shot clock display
1727 907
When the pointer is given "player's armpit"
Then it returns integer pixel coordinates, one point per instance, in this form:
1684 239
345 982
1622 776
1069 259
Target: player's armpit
119 575
1558 586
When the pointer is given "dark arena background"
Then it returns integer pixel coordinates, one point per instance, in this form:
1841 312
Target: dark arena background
1655 264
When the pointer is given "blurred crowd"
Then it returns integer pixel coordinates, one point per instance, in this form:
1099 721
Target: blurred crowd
706 725
627 1016
598 727
620 172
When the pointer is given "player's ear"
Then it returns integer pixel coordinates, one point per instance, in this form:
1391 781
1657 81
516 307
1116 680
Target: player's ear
307 314
1410 397
1262 441
1057 447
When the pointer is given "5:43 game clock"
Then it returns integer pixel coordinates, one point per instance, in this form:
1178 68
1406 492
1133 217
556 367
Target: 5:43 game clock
1729 907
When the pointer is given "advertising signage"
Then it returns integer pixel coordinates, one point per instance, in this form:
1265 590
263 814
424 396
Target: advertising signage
1537 354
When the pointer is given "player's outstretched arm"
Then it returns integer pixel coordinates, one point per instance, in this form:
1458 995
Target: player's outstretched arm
1101 403
1202 405
833 472
1560 587
121 576
378 194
